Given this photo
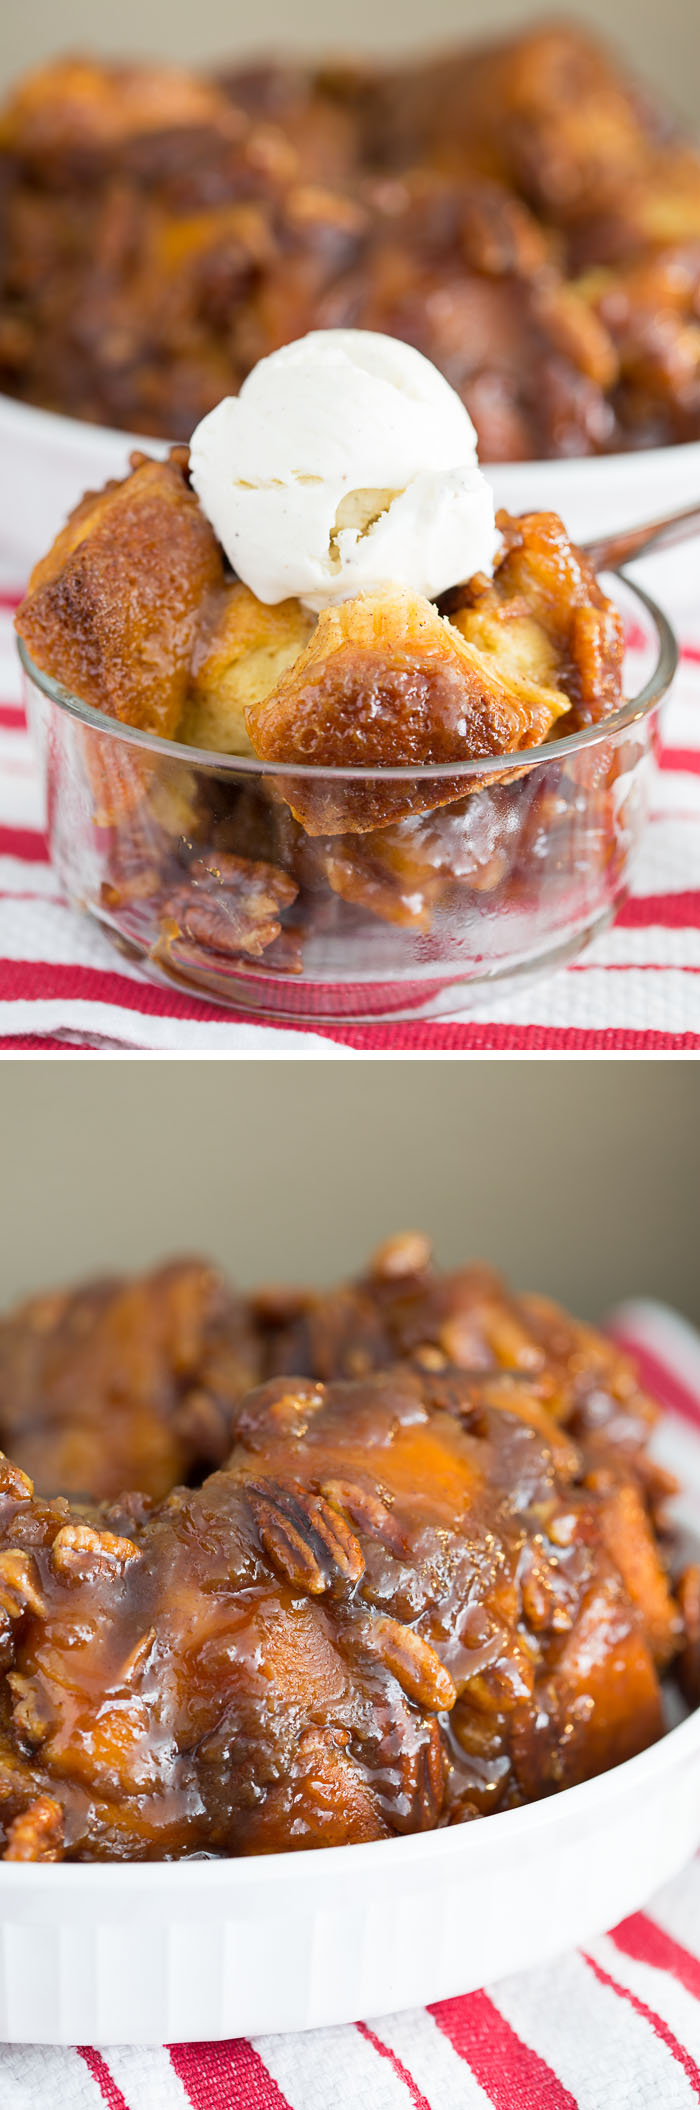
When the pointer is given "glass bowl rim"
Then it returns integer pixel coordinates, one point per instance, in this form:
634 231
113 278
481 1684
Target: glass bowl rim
524 759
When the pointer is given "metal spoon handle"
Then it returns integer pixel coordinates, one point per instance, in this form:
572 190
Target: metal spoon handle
610 550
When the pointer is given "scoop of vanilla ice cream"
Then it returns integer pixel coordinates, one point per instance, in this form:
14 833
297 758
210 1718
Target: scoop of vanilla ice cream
347 462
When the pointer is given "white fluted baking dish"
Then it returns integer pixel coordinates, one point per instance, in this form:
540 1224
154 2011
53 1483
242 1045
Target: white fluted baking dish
165 1952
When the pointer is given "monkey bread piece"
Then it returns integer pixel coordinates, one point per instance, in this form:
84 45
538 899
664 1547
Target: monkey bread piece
78 102
162 230
125 1383
395 1607
112 611
238 660
544 613
403 1309
406 873
546 111
386 680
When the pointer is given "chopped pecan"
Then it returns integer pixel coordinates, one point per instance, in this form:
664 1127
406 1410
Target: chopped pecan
19 1584
308 1542
139 1655
408 1253
37 1834
432 1779
15 1484
416 1665
31 1725
429 1357
278 1407
79 1551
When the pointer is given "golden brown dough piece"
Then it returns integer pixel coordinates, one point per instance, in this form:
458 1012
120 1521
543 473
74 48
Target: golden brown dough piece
238 660
125 1383
403 1309
386 680
112 611
544 615
395 1607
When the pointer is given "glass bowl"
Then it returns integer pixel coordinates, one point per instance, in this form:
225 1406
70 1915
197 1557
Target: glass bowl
312 894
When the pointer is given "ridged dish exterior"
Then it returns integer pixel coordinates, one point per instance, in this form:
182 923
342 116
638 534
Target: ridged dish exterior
162 1953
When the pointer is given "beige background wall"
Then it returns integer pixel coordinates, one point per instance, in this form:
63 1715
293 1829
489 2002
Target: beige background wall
578 1178
663 39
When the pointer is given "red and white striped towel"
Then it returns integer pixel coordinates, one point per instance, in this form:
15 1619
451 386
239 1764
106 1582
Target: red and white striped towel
616 2027
637 987
608 2028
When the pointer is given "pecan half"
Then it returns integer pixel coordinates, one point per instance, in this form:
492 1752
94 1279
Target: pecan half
307 1541
414 1663
230 904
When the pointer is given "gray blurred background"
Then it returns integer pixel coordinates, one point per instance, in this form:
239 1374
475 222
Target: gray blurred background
663 41
578 1178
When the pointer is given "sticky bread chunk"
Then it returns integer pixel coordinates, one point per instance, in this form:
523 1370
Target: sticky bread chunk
124 1383
544 616
404 1309
629 1538
393 1608
385 679
240 656
403 874
546 111
112 611
77 102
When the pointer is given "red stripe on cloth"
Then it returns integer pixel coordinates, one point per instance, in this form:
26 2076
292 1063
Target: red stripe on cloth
670 911
13 717
226 2076
477 1038
658 1379
691 653
508 2070
26 843
95 2063
44 981
419 2100
10 600
656 2022
685 759
646 1942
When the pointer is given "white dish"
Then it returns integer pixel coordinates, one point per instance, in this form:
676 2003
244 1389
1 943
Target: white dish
47 461
167 1952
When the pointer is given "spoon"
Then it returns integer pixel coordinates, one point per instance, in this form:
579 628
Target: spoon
608 551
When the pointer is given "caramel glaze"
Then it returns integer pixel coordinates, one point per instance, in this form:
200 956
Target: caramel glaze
397 1606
